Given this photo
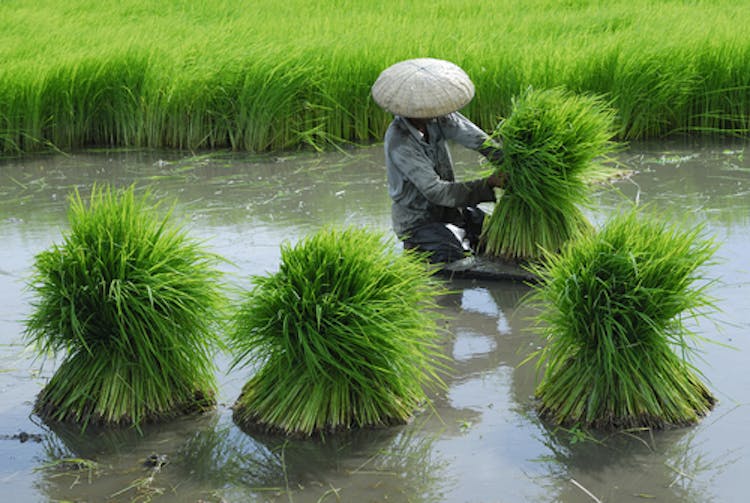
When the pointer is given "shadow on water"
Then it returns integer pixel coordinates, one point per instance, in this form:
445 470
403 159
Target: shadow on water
481 441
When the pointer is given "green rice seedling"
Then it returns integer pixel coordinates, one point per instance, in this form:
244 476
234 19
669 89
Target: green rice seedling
613 309
342 336
551 141
131 301
207 75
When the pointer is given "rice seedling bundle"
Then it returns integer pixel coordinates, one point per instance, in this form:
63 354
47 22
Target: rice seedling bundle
613 307
551 140
342 336
131 301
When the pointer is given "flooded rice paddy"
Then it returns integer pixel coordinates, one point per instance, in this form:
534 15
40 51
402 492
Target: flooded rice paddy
481 440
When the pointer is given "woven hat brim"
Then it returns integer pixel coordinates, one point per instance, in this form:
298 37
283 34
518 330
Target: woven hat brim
423 88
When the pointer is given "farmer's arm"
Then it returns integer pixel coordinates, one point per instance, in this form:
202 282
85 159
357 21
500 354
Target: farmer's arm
461 130
418 169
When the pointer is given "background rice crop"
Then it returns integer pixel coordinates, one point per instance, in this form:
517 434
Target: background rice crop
262 75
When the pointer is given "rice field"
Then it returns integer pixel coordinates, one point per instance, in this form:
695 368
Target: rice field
262 75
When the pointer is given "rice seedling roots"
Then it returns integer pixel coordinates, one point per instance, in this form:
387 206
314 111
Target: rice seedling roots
251 423
50 411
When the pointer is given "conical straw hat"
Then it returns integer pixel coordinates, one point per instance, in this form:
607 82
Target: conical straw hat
423 88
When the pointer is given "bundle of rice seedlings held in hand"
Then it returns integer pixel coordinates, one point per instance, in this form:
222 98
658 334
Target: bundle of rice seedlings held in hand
131 301
613 307
342 336
551 140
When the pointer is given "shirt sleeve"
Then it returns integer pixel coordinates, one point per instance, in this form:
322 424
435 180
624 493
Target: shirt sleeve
458 128
418 169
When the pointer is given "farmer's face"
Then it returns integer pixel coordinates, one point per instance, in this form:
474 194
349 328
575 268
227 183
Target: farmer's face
419 123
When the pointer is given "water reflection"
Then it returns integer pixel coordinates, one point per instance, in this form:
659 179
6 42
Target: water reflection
496 314
664 466
208 457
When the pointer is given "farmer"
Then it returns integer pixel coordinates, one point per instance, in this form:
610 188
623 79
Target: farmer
430 210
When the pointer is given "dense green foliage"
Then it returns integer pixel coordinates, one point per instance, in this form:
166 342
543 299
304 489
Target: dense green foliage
131 301
344 335
268 75
551 140
614 310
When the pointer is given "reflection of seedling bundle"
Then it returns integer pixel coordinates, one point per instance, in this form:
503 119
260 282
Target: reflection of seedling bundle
343 335
613 306
130 300
550 140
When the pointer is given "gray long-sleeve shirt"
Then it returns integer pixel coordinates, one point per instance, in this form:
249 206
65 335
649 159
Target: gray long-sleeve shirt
421 182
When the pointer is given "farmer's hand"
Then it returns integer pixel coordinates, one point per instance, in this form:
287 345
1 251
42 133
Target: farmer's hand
497 180
493 153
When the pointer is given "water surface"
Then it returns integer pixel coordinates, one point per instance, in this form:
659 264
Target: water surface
481 440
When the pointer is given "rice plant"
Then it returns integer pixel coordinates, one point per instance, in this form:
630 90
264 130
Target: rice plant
343 336
551 141
614 306
207 75
132 303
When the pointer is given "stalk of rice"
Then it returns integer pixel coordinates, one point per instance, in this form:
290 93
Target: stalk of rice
551 139
132 303
342 336
614 306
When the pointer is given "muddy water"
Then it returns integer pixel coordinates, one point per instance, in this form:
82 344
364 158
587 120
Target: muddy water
480 442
